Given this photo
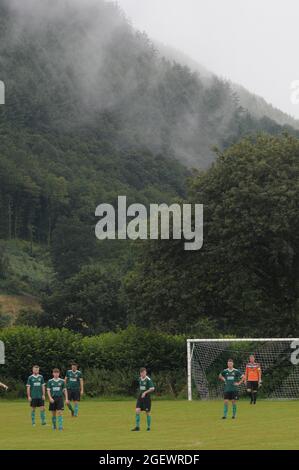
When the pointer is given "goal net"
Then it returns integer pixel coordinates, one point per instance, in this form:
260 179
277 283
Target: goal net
278 358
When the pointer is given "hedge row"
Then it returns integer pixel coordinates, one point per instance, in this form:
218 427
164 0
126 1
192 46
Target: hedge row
110 362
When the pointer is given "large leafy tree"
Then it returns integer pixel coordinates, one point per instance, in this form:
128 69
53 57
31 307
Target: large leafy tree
89 303
246 277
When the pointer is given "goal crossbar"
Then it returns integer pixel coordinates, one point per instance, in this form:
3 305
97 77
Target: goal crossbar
247 340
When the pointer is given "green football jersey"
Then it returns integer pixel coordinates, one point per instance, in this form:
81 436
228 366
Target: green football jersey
56 387
35 383
73 379
231 377
145 384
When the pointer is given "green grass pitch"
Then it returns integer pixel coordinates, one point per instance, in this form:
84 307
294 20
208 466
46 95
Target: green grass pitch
175 425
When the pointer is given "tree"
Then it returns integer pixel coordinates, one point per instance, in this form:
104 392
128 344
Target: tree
73 246
246 277
56 195
88 303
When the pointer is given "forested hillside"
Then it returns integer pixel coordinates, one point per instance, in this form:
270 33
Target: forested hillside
94 111
257 106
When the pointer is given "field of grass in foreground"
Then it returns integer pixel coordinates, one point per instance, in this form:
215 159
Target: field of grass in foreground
176 425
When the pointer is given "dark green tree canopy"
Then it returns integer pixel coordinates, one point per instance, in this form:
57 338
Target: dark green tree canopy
246 277
89 303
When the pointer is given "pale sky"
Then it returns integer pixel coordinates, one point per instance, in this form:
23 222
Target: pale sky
251 42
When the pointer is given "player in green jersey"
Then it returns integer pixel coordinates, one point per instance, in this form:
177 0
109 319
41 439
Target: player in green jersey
146 387
36 391
75 388
56 389
3 386
232 378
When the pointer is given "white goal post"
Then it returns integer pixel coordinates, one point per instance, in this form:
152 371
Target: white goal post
278 358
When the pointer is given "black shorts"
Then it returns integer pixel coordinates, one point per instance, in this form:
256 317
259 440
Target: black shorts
74 395
144 404
58 404
231 396
37 402
253 386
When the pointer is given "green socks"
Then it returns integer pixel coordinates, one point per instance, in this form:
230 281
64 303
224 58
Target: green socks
54 422
76 410
225 410
43 417
70 407
60 423
148 421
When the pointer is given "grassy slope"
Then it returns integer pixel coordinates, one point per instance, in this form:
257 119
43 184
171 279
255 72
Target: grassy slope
25 275
12 304
176 425
24 272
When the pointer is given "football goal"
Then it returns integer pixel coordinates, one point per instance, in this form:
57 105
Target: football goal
278 358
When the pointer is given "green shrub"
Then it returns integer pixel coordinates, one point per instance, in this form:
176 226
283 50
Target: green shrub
5 319
27 317
108 383
26 346
124 383
16 388
110 362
